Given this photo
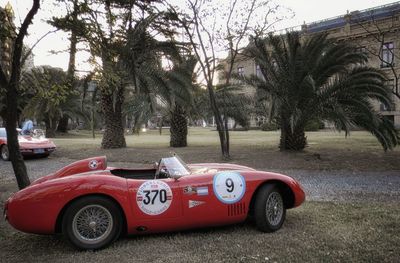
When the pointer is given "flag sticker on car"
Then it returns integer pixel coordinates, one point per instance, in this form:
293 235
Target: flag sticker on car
200 190
194 203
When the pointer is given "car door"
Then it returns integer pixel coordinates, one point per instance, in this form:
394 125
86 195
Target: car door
156 204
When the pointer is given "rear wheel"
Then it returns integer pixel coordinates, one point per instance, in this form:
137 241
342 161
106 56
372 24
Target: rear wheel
269 209
92 222
5 155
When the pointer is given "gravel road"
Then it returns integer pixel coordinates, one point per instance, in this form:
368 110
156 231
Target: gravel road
339 185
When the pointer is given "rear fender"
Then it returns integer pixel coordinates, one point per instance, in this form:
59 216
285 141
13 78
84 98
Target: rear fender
58 227
87 165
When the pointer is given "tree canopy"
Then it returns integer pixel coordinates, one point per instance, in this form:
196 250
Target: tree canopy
319 78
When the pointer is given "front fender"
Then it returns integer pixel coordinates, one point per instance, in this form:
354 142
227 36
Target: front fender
257 178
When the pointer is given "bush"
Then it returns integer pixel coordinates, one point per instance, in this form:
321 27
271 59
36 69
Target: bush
269 126
314 125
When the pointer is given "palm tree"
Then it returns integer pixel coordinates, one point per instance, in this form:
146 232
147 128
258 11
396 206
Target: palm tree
235 104
319 78
179 97
168 92
51 97
141 59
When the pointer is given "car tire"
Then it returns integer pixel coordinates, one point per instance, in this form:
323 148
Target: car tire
269 208
92 223
4 153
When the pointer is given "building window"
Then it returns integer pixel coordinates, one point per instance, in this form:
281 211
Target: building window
387 54
384 105
240 71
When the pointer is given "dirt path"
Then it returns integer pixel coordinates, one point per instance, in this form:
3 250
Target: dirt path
348 186
339 185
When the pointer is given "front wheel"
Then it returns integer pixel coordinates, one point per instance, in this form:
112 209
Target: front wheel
5 155
269 209
92 222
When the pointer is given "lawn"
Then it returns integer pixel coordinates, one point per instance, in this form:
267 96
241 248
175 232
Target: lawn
314 232
327 150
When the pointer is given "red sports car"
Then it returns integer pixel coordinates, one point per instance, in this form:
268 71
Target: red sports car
35 144
92 204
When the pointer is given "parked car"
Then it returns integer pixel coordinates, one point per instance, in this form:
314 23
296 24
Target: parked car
34 144
92 204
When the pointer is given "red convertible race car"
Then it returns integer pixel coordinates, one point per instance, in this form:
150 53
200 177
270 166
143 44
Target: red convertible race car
29 145
92 204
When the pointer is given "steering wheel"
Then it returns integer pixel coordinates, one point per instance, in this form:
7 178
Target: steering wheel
160 172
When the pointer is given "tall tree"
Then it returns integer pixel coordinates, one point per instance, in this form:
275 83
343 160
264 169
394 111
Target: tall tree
70 23
317 78
201 22
9 84
141 58
180 87
106 29
202 39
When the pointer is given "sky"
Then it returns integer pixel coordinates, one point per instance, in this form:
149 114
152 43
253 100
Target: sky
304 11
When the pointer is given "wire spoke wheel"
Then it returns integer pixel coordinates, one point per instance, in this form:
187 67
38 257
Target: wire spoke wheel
92 224
274 208
269 208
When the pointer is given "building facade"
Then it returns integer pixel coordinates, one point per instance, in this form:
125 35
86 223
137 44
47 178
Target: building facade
375 31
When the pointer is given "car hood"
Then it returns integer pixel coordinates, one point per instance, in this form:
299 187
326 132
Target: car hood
30 139
200 168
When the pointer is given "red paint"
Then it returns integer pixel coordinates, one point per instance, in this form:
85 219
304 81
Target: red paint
35 209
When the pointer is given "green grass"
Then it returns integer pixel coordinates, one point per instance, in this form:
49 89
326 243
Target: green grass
208 137
327 150
314 232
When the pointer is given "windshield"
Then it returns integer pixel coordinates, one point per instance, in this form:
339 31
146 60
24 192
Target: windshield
174 166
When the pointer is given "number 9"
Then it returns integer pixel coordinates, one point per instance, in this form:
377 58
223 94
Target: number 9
230 186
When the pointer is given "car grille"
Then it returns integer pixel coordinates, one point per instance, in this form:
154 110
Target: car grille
236 209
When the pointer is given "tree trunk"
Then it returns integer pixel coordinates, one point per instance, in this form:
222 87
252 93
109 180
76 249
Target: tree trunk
63 124
16 159
11 86
178 128
113 136
51 126
136 125
292 140
222 129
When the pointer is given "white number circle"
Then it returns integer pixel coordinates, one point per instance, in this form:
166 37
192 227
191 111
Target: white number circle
229 187
154 197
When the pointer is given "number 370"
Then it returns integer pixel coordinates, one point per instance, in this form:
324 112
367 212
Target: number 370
151 196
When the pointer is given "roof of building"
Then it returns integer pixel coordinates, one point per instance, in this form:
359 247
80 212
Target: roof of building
374 13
